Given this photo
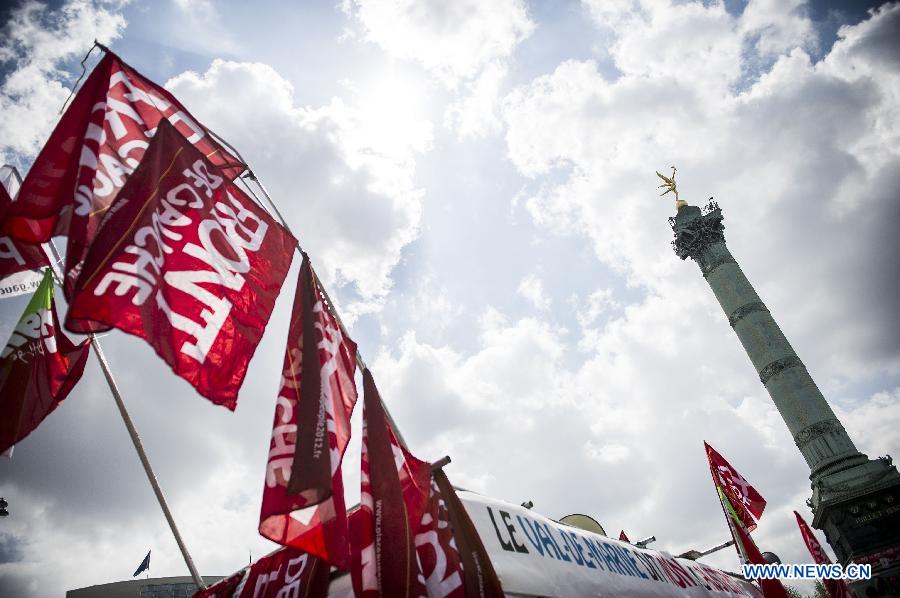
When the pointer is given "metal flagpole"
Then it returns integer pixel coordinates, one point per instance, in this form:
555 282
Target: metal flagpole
331 307
129 424
132 431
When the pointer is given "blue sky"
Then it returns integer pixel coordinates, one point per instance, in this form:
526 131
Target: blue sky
474 183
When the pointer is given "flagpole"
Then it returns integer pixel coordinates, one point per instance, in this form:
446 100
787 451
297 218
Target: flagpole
331 306
132 431
734 540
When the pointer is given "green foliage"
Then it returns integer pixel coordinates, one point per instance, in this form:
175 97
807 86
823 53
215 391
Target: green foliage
793 592
820 591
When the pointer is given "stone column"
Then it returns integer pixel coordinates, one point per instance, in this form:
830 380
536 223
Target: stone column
856 501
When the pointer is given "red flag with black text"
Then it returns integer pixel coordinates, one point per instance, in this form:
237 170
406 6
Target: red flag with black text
285 573
20 262
394 491
186 261
747 502
95 147
38 367
836 588
303 496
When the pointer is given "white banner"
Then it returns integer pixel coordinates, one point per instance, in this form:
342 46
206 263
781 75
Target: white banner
26 281
536 556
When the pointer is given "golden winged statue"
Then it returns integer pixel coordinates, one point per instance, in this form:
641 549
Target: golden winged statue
668 183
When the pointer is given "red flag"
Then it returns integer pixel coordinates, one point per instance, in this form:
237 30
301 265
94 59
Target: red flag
479 578
394 492
19 261
437 551
188 263
287 572
38 367
97 144
837 588
771 588
623 537
747 502
303 497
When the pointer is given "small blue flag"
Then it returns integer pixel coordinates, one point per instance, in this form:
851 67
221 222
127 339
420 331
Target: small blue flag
145 564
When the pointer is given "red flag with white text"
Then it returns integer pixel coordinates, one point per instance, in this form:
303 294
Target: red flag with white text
97 144
186 261
20 262
437 551
771 588
623 537
285 573
747 502
38 367
836 588
394 491
464 553
303 497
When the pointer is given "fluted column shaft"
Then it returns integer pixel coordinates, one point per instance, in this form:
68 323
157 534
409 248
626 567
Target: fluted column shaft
816 430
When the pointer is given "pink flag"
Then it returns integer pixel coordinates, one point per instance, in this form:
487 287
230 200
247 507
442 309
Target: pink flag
303 497
747 502
837 588
91 153
186 261
395 488
38 367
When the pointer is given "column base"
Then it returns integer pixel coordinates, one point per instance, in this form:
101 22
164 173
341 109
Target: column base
858 508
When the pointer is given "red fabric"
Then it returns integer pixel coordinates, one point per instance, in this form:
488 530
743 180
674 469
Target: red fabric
837 588
188 263
17 256
303 497
287 572
38 368
623 537
395 487
771 588
479 578
747 502
99 141
437 551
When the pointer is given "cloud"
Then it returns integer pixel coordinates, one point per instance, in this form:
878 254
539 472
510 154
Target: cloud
453 41
778 26
36 45
532 289
465 45
619 436
599 405
198 26
345 187
792 155
599 302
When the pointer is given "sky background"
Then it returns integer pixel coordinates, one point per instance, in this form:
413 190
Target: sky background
475 184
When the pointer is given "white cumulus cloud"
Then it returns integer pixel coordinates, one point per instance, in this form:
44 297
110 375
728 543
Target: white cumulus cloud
347 191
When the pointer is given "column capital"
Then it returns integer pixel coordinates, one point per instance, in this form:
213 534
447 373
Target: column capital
696 230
